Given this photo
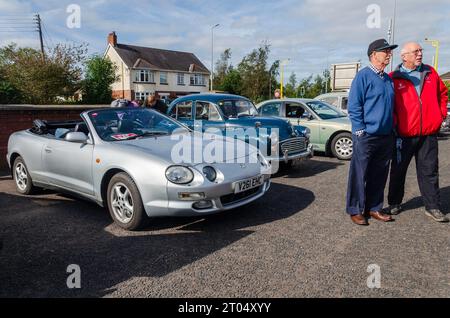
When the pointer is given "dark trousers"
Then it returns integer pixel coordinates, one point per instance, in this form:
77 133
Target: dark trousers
368 173
425 150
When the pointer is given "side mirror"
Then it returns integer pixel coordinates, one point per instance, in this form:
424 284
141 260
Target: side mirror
76 136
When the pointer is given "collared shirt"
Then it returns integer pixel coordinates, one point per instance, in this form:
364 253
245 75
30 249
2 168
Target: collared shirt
414 75
377 71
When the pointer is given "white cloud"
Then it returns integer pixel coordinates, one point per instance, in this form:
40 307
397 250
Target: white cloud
309 32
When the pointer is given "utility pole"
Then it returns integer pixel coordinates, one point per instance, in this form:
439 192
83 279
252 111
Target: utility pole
37 18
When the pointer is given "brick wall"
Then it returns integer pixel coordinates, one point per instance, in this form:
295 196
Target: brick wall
127 94
19 117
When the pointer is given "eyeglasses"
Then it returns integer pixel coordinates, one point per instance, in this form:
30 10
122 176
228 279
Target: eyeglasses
415 52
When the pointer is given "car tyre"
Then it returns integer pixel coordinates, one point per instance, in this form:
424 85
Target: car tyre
342 146
125 203
22 178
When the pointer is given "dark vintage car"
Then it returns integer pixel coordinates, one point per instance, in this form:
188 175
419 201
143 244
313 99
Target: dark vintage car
277 139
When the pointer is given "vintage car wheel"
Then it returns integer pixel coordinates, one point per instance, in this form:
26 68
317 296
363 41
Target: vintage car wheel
22 179
342 146
125 203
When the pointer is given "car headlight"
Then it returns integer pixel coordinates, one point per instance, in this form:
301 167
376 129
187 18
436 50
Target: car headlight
274 142
179 174
307 133
210 173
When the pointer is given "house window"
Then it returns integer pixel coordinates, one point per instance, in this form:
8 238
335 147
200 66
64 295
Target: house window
163 77
197 80
180 78
141 95
145 76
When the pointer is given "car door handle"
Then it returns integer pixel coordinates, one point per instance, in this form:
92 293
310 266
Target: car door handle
48 149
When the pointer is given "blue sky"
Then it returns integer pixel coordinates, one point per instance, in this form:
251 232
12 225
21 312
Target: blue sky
308 32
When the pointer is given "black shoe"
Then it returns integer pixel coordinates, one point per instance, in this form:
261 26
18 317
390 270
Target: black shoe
394 209
436 215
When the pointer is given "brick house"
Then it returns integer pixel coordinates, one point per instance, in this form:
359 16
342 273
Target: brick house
446 77
144 71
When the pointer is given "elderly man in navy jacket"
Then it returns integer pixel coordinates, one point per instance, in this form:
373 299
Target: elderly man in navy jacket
371 111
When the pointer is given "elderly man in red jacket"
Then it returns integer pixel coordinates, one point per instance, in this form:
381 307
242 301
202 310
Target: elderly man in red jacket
420 107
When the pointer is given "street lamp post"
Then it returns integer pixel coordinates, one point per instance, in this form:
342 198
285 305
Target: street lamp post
434 43
327 74
282 63
212 54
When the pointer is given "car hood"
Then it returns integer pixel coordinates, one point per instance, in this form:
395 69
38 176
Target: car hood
282 124
164 147
340 121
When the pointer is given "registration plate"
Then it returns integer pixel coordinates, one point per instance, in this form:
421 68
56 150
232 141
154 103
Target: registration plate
248 184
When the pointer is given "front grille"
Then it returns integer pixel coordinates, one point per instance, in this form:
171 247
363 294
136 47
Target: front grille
293 145
236 197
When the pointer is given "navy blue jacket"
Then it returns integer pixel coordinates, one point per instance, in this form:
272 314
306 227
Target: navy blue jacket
371 103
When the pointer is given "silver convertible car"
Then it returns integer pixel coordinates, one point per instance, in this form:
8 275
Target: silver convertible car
124 158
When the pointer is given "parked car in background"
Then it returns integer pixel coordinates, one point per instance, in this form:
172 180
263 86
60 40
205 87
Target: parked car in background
122 158
336 99
330 127
229 113
445 127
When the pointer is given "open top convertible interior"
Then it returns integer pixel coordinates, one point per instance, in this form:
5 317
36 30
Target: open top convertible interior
58 129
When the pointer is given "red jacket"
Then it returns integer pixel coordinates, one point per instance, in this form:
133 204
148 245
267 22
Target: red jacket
419 115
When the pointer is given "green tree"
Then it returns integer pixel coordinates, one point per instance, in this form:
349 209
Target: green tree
290 87
41 81
223 68
309 88
100 74
255 73
232 82
273 74
304 86
8 93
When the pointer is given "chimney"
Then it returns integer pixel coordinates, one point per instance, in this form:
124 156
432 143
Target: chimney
112 38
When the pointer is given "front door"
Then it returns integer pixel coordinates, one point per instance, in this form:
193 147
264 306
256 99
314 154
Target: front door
69 165
299 114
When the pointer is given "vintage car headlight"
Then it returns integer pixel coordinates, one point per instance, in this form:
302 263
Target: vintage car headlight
274 142
307 133
210 173
179 174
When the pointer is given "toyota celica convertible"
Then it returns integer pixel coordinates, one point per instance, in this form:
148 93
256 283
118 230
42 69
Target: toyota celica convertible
123 158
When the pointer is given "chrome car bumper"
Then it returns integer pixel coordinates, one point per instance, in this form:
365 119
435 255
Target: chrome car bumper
221 196
308 153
